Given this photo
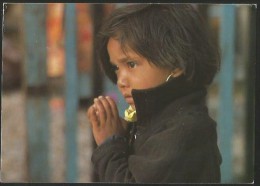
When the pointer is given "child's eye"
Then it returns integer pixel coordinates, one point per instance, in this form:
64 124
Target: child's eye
131 64
115 67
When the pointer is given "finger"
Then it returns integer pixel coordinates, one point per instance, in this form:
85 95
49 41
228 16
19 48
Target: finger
95 128
112 106
90 110
107 107
92 116
101 111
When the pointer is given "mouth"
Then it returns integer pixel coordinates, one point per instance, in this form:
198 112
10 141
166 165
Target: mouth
129 99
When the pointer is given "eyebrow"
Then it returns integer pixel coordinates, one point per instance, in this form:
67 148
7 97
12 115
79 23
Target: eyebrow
122 60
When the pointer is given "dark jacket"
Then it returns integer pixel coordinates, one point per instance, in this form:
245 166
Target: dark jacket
173 141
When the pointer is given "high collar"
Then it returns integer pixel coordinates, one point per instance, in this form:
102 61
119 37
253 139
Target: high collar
150 101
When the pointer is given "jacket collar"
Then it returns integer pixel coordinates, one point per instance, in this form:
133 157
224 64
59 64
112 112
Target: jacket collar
150 102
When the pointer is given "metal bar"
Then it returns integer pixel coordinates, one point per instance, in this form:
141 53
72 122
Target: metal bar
37 114
226 80
35 41
71 92
97 16
250 97
37 111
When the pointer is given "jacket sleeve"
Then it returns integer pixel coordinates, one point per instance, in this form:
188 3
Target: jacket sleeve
110 160
178 154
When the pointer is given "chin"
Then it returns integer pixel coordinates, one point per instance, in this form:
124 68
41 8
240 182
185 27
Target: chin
133 106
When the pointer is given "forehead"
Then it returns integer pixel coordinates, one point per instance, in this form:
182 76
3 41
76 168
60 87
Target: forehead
113 44
116 50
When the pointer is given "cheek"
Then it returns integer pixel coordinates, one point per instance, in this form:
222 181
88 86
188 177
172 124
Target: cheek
143 82
150 81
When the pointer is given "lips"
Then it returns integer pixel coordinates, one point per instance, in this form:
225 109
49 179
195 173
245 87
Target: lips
129 99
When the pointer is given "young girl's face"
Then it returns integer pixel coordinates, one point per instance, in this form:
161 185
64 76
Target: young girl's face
133 71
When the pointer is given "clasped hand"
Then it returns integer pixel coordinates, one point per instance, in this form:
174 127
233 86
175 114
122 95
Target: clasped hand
104 119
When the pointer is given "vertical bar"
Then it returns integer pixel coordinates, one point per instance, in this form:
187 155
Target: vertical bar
225 118
71 95
97 16
250 97
37 112
35 33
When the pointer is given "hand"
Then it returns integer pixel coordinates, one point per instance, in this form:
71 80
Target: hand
104 119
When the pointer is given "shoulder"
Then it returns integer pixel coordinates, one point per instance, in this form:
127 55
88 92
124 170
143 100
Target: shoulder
189 130
190 120
186 116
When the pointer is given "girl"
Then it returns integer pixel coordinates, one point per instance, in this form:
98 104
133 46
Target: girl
162 59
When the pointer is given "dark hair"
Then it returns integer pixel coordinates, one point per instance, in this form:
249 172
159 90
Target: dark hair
167 35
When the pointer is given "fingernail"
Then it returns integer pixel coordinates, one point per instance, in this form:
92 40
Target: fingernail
95 100
100 97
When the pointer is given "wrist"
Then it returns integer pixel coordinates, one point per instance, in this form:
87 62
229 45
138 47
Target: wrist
115 137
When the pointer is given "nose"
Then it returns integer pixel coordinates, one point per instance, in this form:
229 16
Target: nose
122 80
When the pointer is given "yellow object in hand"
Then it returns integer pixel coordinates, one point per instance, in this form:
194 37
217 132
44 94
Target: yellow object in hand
130 114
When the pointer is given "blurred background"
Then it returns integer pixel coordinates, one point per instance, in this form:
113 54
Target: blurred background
50 76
